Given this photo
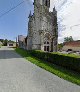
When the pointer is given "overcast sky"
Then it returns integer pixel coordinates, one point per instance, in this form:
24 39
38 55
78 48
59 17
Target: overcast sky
16 21
68 18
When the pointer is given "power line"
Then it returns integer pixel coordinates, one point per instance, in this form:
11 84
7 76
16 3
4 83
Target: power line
12 9
15 8
74 26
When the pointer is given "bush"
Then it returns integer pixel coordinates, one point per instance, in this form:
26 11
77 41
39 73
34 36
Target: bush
67 61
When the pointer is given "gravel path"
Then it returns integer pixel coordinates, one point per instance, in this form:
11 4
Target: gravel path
18 75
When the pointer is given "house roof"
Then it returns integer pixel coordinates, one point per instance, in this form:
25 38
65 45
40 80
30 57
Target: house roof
73 43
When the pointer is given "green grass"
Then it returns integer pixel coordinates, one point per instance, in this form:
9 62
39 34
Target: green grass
61 72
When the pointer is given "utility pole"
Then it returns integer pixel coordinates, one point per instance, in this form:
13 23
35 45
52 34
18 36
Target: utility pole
16 42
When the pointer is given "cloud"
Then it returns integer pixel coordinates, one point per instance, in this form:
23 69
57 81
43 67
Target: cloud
68 18
71 19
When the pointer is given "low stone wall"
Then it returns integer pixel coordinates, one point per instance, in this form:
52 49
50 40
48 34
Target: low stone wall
65 48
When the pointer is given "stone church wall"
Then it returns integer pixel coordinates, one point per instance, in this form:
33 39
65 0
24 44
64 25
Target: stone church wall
41 23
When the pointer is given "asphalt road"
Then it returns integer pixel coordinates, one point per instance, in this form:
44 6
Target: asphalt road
19 75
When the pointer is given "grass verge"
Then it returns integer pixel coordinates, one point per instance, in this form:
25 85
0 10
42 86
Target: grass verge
61 72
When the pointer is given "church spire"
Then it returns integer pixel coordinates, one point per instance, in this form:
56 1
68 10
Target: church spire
30 14
54 11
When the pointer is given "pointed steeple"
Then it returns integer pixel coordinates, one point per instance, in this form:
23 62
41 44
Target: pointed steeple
30 14
54 9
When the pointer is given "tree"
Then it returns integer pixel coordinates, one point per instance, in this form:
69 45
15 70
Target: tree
5 42
2 40
68 39
60 46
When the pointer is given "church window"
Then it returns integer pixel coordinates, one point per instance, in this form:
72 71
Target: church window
44 42
46 3
44 48
47 48
47 42
49 2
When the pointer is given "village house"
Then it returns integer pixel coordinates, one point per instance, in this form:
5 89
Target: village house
73 45
11 44
22 42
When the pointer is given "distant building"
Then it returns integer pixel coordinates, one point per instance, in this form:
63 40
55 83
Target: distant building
73 45
42 27
22 42
11 44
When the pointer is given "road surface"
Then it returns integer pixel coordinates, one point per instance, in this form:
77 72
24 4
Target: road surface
19 75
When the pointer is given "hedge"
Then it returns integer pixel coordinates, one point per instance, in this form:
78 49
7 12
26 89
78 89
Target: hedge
67 61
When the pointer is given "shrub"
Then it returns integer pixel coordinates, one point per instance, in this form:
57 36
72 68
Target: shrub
67 61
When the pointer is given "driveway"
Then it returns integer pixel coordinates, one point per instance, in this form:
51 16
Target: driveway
19 75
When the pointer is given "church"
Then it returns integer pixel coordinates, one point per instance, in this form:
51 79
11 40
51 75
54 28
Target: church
42 27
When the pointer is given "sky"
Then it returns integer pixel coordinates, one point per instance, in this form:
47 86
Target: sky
68 19
15 22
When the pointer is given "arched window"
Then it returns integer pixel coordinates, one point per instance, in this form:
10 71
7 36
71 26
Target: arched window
46 3
44 42
46 46
47 42
49 3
